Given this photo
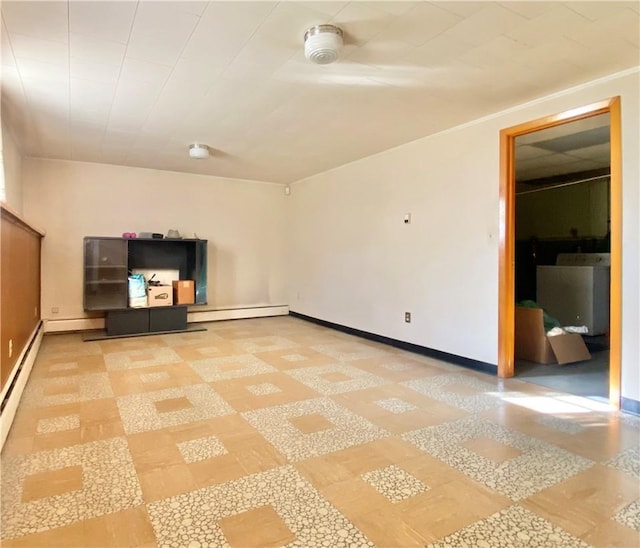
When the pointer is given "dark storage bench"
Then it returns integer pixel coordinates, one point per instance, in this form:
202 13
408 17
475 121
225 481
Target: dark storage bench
132 321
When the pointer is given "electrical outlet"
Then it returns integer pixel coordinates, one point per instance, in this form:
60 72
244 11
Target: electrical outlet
407 317
407 218
10 347
54 310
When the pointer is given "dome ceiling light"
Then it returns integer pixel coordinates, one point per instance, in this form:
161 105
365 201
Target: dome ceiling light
322 44
198 151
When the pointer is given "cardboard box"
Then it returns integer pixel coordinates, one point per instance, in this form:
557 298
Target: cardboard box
532 343
160 295
184 292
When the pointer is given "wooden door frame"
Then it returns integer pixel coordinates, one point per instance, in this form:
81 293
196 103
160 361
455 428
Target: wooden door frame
506 277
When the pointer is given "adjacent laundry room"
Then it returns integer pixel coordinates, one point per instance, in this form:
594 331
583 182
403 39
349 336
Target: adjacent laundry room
563 257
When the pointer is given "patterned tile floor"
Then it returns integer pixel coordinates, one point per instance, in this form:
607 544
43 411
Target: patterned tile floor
278 432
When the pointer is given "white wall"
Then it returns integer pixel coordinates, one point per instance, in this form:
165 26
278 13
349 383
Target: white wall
244 222
354 262
12 166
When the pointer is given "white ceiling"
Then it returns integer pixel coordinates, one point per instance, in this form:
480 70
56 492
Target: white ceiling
135 83
585 147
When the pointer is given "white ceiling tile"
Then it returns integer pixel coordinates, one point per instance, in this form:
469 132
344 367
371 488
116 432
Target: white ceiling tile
395 8
91 101
486 24
420 24
190 79
47 96
551 24
224 28
327 9
160 32
115 139
98 50
598 10
529 10
8 60
528 152
193 7
600 154
103 19
497 51
46 20
242 76
37 70
361 21
11 82
142 71
463 9
159 18
438 52
97 72
32 47
379 51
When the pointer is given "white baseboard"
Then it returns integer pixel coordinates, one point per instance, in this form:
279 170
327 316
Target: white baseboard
194 316
27 358
237 313
81 324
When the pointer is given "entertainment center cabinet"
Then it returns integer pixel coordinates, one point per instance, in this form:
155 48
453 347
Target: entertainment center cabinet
107 264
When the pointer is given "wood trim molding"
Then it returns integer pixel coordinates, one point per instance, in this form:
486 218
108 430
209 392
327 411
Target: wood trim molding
506 262
12 215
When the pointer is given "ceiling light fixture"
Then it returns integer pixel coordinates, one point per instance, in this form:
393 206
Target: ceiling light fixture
198 151
322 44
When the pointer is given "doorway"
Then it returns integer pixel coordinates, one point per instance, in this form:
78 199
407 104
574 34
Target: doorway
559 133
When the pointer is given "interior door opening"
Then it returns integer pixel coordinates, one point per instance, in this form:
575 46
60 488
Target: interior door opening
560 249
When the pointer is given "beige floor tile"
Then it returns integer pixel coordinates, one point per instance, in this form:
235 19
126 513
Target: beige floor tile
399 409
270 431
209 349
585 501
295 357
51 483
152 378
611 534
256 528
239 394
309 424
128 528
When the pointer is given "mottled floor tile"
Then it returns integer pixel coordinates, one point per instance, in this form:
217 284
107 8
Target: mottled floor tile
281 432
336 378
394 483
139 412
230 367
396 405
60 390
274 423
539 466
201 449
134 359
348 350
628 461
195 517
514 526
477 395
108 484
630 516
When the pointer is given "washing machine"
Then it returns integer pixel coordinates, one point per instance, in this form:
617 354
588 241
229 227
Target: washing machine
576 290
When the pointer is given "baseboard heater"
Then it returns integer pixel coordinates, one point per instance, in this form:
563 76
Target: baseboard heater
193 316
17 380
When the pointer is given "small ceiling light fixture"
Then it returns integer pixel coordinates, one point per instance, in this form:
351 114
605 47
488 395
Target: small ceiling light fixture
322 44
198 151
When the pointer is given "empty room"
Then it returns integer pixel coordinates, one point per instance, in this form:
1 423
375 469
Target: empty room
320 274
